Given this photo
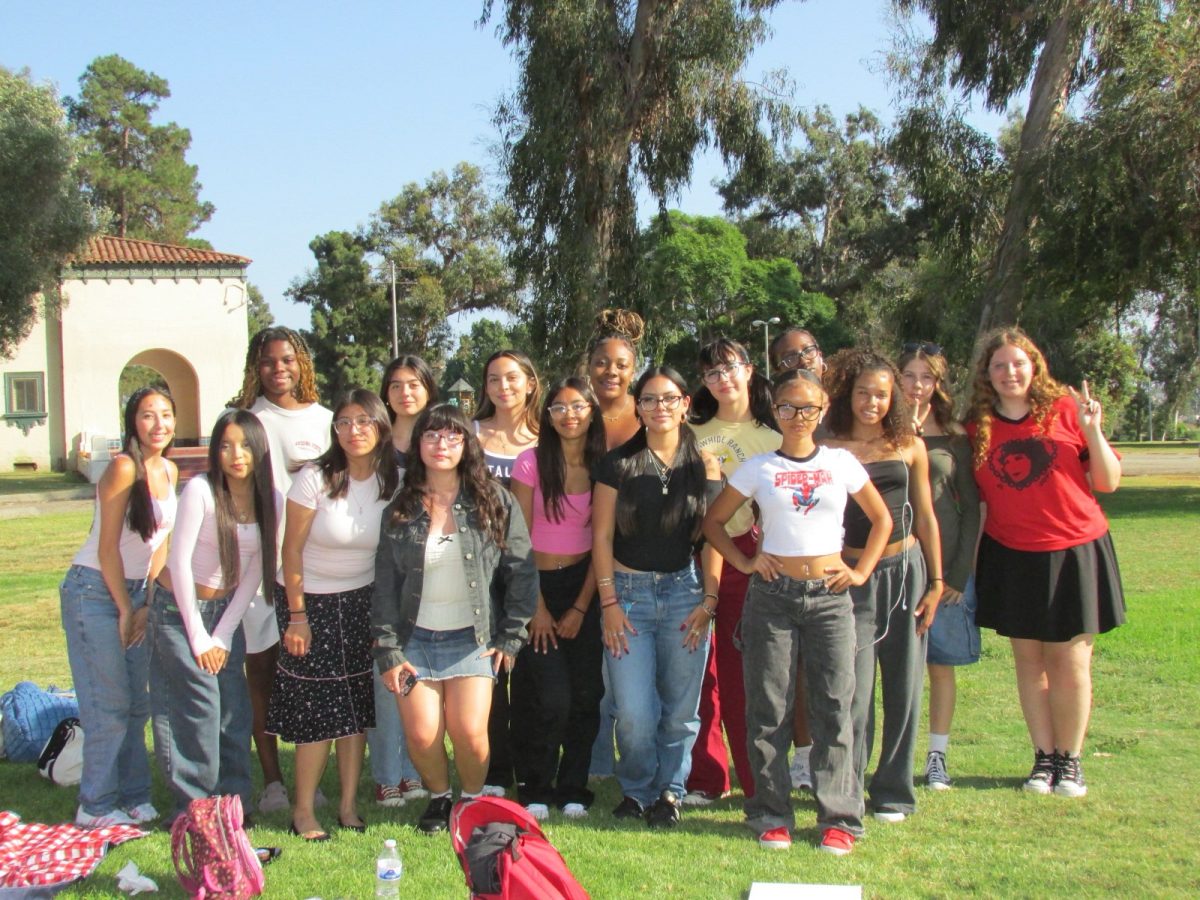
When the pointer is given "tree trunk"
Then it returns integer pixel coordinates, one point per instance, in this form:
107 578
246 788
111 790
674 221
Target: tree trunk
1002 297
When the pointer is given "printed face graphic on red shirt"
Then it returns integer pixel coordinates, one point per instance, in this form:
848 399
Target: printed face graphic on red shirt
804 488
1021 463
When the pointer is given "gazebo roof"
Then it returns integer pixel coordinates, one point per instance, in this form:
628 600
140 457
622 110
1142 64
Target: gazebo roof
461 387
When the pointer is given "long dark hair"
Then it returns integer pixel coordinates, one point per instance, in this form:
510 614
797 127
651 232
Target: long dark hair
475 481
140 511
424 375
844 368
684 509
264 497
305 390
721 352
333 463
550 463
533 400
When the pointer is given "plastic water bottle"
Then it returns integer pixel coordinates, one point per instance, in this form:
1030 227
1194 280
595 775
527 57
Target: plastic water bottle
388 869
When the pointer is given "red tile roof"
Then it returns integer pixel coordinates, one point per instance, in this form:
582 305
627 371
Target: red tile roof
107 250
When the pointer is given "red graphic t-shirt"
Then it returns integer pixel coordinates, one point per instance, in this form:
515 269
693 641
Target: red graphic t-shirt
1035 484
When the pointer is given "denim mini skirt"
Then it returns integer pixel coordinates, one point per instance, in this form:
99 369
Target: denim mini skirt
439 655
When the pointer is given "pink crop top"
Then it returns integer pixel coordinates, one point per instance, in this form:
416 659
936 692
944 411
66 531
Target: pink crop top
571 535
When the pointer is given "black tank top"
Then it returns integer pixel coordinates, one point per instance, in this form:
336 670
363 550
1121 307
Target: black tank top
890 477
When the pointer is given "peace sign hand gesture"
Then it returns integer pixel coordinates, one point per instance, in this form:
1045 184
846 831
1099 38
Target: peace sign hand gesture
1087 408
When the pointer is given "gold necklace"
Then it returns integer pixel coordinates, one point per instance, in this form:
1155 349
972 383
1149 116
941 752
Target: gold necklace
624 409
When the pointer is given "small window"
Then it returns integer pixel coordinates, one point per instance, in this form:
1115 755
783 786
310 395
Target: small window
24 394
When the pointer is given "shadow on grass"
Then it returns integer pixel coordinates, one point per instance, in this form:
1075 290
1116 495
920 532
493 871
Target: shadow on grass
1149 501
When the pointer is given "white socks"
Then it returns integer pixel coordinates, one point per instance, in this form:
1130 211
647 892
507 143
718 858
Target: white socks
938 743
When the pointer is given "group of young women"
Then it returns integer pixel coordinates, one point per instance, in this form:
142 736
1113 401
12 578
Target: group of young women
653 566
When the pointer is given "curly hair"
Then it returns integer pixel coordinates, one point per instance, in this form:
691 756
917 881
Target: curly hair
475 480
616 325
1043 389
941 405
305 390
844 369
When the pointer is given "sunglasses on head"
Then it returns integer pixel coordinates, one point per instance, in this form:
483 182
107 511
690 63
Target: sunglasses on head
926 347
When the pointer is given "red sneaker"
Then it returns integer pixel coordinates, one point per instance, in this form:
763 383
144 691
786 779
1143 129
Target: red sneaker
837 842
388 795
776 839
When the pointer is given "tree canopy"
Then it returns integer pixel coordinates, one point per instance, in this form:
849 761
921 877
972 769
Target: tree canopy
44 215
134 169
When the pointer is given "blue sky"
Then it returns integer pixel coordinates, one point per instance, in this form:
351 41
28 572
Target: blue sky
306 116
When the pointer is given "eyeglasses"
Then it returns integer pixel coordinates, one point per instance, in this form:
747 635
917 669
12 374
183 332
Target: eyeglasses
344 424
648 402
718 373
926 347
792 358
433 438
787 412
558 410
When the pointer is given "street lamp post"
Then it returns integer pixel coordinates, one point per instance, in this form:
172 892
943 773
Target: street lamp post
766 327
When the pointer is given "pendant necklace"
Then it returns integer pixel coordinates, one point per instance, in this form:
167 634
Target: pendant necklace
663 471
621 412
355 495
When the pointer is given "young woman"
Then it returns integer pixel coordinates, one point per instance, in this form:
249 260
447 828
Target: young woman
408 387
792 349
557 685
733 420
650 497
1047 573
222 550
797 609
103 604
896 605
454 588
954 636
280 387
611 367
612 364
507 424
322 691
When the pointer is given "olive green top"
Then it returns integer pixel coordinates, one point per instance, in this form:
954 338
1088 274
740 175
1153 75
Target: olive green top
955 504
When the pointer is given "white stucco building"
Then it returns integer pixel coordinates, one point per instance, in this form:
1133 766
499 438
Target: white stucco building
179 310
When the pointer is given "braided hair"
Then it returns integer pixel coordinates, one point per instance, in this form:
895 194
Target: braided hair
306 388
622 325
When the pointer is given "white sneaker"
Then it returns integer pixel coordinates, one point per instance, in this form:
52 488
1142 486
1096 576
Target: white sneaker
575 811
108 820
887 815
800 774
539 811
493 790
274 798
143 812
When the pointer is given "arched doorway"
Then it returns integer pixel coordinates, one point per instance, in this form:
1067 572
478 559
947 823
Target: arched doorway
181 381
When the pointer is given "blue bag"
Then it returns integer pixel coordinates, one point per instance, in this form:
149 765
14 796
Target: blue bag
30 716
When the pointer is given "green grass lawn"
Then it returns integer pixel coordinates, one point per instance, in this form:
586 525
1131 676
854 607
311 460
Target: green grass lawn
1137 832
30 482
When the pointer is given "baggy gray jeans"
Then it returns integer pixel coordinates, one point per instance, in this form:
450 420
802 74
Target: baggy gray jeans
784 620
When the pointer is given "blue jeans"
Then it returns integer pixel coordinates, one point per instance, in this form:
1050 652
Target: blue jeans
784 621
656 686
388 750
201 722
111 685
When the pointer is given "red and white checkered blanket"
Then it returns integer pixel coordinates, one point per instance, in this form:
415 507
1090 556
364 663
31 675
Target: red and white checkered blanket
33 855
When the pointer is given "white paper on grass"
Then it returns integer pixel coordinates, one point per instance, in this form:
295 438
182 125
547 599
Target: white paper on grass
766 890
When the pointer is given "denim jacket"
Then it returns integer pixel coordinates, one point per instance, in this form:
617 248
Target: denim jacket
503 583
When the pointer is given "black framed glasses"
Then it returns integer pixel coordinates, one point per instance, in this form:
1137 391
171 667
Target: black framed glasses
793 358
927 347
648 402
786 412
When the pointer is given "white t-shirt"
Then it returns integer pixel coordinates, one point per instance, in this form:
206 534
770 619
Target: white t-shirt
801 500
295 436
196 559
339 554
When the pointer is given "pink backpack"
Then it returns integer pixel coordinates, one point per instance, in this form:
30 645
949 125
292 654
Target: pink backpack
212 854
505 855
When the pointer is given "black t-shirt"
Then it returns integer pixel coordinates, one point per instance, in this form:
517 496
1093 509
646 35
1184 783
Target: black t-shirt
652 548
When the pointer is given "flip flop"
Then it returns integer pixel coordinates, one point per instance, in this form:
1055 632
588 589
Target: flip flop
361 829
314 836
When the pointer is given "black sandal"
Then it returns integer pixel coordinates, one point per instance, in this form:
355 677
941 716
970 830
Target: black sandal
267 855
314 836
361 829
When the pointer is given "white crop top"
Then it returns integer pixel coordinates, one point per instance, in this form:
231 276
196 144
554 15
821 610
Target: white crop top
801 500
195 559
135 552
339 554
445 597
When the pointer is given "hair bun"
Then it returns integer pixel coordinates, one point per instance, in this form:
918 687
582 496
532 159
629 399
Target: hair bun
625 323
